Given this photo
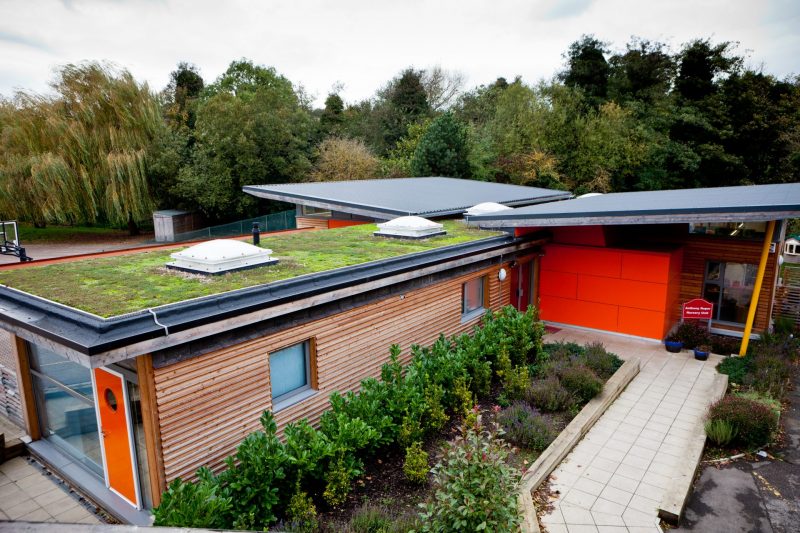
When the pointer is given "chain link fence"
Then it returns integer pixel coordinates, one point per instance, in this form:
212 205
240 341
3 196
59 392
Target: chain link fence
274 222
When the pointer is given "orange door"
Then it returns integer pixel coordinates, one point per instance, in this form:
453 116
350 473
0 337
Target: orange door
112 407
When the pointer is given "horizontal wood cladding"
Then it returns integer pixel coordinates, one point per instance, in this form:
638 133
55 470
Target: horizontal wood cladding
208 404
699 249
310 222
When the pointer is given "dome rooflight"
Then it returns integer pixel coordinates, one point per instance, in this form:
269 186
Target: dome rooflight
410 227
485 208
220 256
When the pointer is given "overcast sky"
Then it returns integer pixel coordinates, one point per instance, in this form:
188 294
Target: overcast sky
362 44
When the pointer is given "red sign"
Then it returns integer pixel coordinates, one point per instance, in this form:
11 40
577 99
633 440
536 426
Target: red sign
698 309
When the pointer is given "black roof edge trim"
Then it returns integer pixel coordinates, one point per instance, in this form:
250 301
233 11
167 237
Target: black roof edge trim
91 335
598 214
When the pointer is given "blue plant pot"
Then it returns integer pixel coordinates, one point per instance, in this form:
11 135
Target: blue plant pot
673 346
700 356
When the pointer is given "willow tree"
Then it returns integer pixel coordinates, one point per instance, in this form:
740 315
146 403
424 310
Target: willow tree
79 155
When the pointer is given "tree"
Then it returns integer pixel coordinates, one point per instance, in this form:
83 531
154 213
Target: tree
442 87
401 103
700 66
344 159
332 117
80 156
252 128
587 69
644 72
443 150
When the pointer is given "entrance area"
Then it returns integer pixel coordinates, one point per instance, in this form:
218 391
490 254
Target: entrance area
523 283
94 418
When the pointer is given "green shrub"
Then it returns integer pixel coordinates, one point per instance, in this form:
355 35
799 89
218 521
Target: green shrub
692 334
520 334
754 422
549 395
197 504
513 380
464 400
769 374
603 363
416 466
337 483
764 399
301 516
474 488
307 451
435 415
581 382
256 477
736 368
525 427
720 432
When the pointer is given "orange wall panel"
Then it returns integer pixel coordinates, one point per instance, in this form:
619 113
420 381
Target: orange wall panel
561 284
578 313
625 292
643 266
641 323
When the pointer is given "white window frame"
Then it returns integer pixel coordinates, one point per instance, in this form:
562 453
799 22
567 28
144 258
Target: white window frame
300 393
469 314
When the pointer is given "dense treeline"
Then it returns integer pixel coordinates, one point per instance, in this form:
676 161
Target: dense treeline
107 149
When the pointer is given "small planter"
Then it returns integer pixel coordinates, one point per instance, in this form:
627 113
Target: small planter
673 346
701 353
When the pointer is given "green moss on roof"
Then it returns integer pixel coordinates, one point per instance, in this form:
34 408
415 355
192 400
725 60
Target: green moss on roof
111 286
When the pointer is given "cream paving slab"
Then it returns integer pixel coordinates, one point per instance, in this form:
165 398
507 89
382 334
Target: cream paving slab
614 479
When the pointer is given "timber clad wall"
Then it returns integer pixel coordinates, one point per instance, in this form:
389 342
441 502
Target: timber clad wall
699 249
208 404
310 222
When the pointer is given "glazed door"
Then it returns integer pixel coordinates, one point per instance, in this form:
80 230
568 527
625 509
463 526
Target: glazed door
522 284
116 434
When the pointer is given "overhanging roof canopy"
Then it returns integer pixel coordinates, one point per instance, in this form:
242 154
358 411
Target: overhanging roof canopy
390 198
720 204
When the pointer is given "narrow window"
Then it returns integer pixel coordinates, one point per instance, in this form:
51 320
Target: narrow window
472 294
290 374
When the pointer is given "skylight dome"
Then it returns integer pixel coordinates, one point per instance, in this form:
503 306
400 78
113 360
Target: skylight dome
220 256
485 208
410 227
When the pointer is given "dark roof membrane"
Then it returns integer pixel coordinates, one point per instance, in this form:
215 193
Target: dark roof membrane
404 196
750 202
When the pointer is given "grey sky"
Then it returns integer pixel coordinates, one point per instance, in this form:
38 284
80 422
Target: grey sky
363 43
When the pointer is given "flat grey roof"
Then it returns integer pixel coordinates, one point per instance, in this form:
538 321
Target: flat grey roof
718 204
389 198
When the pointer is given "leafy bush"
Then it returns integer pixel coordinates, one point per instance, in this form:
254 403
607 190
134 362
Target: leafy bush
720 432
603 363
416 466
256 476
725 345
337 483
753 421
525 427
736 368
692 334
765 399
549 395
513 380
769 374
199 505
302 514
463 397
519 334
581 382
474 488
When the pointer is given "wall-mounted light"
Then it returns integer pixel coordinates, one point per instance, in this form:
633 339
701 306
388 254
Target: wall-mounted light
502 274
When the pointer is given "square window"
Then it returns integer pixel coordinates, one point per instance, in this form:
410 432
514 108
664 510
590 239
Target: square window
290 373
472 297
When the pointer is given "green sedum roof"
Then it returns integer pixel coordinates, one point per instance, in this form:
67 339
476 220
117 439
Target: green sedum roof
112 286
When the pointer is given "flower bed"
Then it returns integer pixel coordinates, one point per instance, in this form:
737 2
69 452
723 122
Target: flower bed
462 403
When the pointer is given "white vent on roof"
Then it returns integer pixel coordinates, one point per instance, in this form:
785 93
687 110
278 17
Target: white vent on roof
410 228
485 208
220 256
590 194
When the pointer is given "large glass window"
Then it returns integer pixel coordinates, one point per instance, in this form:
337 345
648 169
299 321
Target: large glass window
65 403
472 297
729 286
290 373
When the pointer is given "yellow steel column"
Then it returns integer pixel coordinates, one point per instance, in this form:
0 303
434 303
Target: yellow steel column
762 266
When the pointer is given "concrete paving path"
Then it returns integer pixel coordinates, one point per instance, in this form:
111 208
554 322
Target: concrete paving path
615 478
29 494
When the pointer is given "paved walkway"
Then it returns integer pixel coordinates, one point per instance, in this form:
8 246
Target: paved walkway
615 478
28 494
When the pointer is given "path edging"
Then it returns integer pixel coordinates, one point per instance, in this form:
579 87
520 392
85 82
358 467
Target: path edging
677 494
567 439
